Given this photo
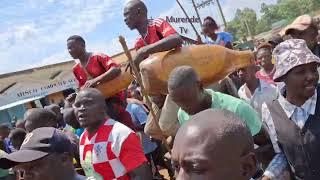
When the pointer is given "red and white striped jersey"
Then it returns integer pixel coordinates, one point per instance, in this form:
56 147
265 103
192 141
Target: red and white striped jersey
110 153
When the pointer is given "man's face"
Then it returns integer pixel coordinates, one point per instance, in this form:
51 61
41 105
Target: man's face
302 80
246 74
87 111
264 56
75 48
131 16
309 35
44 168
187 98
200 158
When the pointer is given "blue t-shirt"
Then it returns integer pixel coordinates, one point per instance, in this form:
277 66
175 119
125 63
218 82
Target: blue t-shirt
222 39
139 117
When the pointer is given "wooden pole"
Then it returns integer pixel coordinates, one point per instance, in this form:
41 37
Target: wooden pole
139 79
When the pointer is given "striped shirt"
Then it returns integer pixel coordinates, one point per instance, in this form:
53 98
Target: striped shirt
111 153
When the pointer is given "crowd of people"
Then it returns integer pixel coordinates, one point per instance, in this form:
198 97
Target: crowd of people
260 122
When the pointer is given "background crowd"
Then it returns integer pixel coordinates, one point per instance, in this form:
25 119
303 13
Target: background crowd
260 122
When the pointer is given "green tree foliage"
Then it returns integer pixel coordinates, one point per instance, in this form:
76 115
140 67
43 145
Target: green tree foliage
243 18
284 10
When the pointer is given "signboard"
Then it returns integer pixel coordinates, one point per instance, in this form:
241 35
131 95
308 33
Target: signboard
28 89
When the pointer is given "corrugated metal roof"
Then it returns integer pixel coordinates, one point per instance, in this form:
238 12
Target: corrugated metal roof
7 106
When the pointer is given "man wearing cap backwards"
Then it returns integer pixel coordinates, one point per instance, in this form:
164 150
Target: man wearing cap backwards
293 118
305 27
214 145
108 149
46 154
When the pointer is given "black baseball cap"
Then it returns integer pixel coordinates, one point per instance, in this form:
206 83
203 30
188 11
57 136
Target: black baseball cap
38 144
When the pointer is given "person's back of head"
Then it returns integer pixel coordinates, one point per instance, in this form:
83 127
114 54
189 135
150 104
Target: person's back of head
39 117
17 137
69 118
214 144
4 131
56 109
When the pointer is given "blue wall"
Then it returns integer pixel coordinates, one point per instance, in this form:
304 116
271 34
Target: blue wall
6 116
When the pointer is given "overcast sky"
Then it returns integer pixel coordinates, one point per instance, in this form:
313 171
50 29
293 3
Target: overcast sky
34 32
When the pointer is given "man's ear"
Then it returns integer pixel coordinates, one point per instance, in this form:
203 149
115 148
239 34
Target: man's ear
248 165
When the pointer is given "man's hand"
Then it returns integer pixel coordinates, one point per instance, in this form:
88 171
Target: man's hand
141 55
71 97
89 84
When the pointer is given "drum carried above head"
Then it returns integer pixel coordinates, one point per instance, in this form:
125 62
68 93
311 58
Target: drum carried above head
212 63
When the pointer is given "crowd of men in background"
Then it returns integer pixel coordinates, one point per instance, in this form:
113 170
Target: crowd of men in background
261 122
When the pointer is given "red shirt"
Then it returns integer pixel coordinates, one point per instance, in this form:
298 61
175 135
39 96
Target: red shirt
157 30
110 153
98 64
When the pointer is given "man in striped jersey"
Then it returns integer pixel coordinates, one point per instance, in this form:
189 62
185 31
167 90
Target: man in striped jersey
108 149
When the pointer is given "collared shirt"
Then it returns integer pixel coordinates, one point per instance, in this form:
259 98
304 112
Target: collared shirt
265 92
298 115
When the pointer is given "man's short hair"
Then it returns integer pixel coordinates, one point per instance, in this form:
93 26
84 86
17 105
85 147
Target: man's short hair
40 117
17 133
138 3
182 76
77 38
